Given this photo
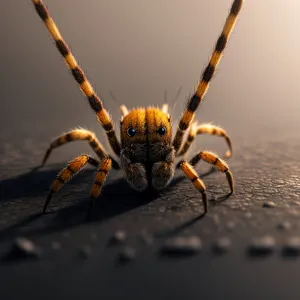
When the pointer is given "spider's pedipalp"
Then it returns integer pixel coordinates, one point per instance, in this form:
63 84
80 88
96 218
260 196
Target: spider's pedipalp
79 135
207 75
65 175
78 74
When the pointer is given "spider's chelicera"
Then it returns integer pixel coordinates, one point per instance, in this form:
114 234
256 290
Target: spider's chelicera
147 150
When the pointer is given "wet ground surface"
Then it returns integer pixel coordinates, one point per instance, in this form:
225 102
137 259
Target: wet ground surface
246 246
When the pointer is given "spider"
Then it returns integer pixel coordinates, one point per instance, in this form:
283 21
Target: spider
147 151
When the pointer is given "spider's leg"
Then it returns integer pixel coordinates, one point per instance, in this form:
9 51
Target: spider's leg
205 129
192 175
196 99
65 175
78 74
100 178
220 165
80 135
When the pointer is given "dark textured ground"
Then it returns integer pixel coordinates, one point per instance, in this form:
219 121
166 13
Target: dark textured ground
264 171
137 49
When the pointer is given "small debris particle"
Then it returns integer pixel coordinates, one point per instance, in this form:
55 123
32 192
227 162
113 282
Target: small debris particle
55 245
292 246
119 237
285 225
262 246
216 220
66 234
127 254
94 237
23 248
222 245
146 238
230 225
182 245
269 204
162 209
85 252
248 215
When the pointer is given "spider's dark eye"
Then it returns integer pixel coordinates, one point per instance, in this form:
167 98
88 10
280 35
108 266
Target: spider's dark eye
162 130
131 131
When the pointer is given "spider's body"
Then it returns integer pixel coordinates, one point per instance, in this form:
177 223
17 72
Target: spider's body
146 141
147 151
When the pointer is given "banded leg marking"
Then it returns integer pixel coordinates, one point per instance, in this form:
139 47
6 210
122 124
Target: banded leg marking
79 135
78 74
205 129
192 175
207 75
66 174
220 164
100 178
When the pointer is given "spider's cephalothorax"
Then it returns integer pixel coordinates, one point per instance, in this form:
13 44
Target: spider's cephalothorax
147 151
147 155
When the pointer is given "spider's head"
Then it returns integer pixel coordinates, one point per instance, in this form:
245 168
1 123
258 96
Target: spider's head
146 126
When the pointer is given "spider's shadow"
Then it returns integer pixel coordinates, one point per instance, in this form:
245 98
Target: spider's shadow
116 198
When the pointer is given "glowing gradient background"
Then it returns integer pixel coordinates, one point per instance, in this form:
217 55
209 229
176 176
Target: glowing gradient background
139 48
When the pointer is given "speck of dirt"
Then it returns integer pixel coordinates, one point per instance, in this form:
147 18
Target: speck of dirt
248 215
269 204
127 254
221 245
146 238
285 225
262 246
182 245
119 237
56 245
291 246
230 225
23 248
162 209
66 234
94 237
85 252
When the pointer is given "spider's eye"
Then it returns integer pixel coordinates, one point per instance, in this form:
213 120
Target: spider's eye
131 131
162 130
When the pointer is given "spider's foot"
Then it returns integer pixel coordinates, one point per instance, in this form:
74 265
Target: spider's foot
47 202
205 202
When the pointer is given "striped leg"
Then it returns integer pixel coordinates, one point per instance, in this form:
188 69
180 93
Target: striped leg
205 129
192 175
80 135
99 181
194 102
220 164
94 100
66 174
